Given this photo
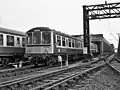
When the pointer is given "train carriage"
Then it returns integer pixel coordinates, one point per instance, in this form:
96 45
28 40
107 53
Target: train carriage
44 45
93 48
12 46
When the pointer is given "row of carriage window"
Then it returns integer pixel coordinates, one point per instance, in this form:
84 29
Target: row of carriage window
64 41
10 41
44 37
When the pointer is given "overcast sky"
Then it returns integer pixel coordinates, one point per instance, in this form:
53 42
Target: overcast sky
62 15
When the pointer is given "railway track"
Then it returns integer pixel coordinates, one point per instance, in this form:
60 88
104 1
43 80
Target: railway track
68 79
80 80
7 74
115 63
46 80
106 78
16 72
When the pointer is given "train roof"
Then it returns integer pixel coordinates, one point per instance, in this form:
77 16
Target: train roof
10 31
40 28
95 37
48 29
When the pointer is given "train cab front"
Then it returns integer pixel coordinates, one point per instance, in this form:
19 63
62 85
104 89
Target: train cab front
39 46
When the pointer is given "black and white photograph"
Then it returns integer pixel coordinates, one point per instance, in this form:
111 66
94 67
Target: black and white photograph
59 44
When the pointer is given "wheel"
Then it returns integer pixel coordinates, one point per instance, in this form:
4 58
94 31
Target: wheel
48 63
34 62
3 62
36 65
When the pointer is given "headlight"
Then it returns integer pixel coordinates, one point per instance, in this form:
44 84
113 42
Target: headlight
28 50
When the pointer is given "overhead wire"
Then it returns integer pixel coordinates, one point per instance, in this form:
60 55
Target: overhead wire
114 36
115 39
109 29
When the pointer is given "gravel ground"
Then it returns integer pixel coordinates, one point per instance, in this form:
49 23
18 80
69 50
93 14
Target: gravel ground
106 79
116 64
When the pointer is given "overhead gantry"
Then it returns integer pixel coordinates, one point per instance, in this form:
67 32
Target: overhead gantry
99 11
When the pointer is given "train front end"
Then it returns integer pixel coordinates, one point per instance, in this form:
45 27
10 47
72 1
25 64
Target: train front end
39 45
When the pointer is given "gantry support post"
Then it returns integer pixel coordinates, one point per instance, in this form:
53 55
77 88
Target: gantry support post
86 29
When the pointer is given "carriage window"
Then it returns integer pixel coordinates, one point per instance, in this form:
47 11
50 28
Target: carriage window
63 41
1 39
69 41
46 37
10 40
79 44
58 40
73 45
29 38
76 43
23 42
18 41
93 46
66 41
36 37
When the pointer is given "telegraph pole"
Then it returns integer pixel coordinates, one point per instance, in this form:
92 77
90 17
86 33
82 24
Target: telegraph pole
118 51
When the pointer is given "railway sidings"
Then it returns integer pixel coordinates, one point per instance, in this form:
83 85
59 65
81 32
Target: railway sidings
9 74
49 78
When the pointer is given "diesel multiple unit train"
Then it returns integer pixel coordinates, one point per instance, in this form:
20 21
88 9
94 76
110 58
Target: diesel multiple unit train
12 46
39 45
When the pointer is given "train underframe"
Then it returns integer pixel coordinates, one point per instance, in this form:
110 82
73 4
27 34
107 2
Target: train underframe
47 59
50 59
10 59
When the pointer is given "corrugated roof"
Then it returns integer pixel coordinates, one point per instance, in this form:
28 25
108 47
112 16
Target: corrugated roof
10 31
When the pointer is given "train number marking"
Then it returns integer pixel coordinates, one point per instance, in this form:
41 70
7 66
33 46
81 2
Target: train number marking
28 50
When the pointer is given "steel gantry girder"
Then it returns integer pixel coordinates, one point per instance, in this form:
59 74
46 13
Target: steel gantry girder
99 11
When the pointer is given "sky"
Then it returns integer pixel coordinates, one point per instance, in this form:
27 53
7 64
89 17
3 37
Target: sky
62 15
